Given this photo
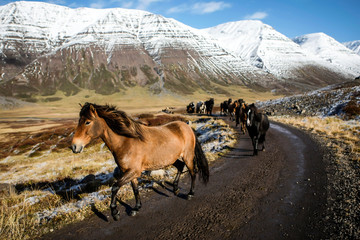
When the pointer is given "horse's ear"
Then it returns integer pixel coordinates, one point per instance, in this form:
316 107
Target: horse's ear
93 111
81 105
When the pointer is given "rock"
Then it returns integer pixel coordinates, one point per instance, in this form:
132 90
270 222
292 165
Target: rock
157 174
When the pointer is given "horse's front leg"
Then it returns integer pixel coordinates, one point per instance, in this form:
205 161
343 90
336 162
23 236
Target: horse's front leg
254 142
256 146
134 184
125 178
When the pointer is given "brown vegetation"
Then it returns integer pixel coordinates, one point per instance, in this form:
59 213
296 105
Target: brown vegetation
35 178
352 109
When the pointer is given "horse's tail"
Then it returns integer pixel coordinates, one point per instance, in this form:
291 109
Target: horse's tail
265 126
201 161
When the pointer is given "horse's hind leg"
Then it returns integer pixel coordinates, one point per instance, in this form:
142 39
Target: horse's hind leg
193 178
191 167
262 140
180 167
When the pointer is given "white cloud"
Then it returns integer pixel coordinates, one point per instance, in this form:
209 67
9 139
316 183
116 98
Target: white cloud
200 7
99 4
144 4
209 7
178 9
58 2
122 3
257 16
127 5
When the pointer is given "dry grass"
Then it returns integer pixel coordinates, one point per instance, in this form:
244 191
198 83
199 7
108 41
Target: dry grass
33 173
34 141
343 136
134 100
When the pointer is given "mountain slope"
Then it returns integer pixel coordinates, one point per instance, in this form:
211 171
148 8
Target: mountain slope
353 45
264 47
53 47
47 48
331 51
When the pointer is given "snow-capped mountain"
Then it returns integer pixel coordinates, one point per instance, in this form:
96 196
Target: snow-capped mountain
119 47
264 47
353 45
46 47
331 51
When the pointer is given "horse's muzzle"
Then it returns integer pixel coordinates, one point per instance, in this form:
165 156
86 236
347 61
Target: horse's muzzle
76 148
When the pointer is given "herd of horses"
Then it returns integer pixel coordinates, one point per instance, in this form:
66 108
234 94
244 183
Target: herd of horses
247 116
137 147
201 107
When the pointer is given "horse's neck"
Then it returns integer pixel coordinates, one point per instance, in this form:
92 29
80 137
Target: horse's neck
258 116
113 140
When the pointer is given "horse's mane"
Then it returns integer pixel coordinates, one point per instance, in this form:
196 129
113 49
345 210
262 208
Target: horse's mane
117 120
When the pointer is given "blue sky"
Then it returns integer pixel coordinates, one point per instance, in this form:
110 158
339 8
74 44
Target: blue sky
338 18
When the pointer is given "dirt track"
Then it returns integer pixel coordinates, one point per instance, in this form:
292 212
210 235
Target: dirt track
279 194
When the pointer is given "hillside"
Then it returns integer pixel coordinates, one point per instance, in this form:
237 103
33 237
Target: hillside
330 50
354 46
341 100
265 48
48 48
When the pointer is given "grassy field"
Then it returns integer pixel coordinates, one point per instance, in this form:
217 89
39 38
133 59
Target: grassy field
34 156
135 100
342 136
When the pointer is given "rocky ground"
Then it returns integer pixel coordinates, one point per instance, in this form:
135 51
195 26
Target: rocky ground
339 100
342 215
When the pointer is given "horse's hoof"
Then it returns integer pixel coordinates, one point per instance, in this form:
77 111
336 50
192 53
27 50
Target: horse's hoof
190 196
176 192
133 213
116 217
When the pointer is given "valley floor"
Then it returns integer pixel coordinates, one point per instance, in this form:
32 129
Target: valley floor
279 194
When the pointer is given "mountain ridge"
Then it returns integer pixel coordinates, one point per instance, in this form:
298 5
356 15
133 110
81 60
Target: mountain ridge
110 50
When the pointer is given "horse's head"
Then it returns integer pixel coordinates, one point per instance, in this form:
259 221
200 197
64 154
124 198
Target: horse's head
237 104
88 128
251 114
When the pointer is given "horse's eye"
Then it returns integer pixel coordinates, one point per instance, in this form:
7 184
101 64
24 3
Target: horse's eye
87 123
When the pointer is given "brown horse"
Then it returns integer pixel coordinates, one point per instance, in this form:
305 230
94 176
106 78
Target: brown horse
232 110
241 116
136 147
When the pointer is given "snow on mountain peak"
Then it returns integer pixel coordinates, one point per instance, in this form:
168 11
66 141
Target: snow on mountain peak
46 28
353 45
262 46
331 51
242 50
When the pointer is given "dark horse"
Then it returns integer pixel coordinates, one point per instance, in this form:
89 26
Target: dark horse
190 108
209 104
257 125
241 115
224 106
137 147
